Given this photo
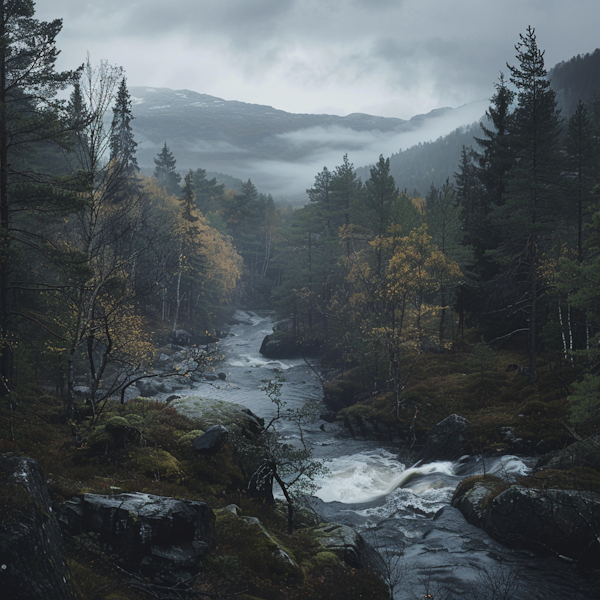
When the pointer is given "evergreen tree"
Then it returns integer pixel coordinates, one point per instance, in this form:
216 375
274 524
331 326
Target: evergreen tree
122 144
531 207
165 171
188 199
497 157
581 159
380 197
30 114
346 187
320 194
209 194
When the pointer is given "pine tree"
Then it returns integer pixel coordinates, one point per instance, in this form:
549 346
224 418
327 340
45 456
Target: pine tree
320 194
122 143
380 196
531 208
581 159
346 187
29 114
165 172
209 193
497 157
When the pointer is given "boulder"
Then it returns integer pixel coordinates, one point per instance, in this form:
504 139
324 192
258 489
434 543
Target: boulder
162 538
32 561
212 441
280 346
182 337
238 419
265 545
553 521
472 497
348 545
328 416
446 441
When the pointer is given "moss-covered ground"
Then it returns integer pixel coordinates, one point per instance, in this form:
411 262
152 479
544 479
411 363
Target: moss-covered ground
492 396
146 446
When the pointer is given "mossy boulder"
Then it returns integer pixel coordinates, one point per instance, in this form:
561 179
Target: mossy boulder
154 463
562 522
346 544
255 549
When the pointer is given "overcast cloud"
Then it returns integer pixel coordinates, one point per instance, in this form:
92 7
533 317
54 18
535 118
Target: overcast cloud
384 57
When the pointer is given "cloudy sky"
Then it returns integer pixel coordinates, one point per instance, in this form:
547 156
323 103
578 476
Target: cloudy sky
384 57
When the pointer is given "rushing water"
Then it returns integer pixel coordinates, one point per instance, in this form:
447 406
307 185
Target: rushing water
402 510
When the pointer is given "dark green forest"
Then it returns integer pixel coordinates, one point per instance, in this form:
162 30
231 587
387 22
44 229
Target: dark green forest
101 265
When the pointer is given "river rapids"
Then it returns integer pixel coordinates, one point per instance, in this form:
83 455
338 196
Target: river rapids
403 510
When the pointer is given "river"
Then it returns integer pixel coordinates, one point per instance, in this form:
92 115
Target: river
404 511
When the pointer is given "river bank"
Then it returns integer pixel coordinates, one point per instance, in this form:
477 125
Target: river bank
403 511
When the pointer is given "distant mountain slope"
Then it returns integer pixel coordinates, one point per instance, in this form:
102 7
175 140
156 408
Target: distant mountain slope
281 152
418 167
575 79
198 124
432 162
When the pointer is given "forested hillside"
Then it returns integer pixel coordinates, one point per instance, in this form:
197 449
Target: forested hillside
407 298
429 163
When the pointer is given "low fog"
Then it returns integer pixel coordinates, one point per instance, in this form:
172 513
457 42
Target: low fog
308 150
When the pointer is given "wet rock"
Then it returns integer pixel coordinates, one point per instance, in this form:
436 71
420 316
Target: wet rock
279 346
222 376
348 545
560 522
564 522
182 337
162 538
265 543
239 420
472 500
32 562
212 441
446 440
328 416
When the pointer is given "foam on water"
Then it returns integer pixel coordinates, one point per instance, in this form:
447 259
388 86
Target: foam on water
248 318
358 477
257 362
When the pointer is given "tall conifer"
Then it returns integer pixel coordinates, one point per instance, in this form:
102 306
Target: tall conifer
531 204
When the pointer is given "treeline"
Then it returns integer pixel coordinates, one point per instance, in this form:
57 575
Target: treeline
510 247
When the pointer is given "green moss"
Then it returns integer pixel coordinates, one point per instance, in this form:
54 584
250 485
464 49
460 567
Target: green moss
325 559
494 484
154 463
577 478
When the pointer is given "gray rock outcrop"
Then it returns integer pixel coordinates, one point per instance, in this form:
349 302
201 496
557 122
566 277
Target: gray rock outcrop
32 561
348 545
552 521
162 538
213 440
446 441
